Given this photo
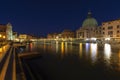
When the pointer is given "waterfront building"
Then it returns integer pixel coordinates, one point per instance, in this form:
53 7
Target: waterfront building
67 34
26 37
6 32
111 29
52 36
15 35
22 37
88 28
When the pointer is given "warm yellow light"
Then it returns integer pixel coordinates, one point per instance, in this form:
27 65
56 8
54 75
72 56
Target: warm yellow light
107 39
16 39
80 49
62 47
3 36
107 51
0 50
0 35
94 39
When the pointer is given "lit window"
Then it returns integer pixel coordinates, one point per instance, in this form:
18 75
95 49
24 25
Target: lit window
0 35
110 27
3 36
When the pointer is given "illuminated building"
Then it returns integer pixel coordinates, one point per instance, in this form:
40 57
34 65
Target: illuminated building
52 35
88 27
6 32
111 29
108 30
15 35
26 37
22 37
67 34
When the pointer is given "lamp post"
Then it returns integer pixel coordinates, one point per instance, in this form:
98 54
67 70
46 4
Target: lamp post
1 40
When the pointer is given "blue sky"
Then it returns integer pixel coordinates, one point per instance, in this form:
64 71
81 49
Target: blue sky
41 17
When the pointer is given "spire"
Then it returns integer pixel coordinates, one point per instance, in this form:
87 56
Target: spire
8 24
89 14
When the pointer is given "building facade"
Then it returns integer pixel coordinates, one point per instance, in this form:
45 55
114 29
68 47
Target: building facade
111 29
67 34
52 36
88 29
6 32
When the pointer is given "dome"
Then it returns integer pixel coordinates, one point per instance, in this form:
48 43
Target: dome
90 21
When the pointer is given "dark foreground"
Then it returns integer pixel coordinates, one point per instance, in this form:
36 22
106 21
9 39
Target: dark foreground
72 62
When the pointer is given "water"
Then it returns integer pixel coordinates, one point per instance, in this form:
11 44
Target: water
70 61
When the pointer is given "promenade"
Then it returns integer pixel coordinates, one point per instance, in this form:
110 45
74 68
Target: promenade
11 65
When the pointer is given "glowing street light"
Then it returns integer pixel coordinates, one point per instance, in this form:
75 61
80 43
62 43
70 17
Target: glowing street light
107 39
4 37
0 35
94 39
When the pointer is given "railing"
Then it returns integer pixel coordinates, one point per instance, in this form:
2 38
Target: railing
8 65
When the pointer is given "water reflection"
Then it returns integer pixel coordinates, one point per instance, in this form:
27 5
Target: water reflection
88 51
1 50
80 49
62 49
107 52
44 46
66 47
31 46
71 47
93 49
57 46
87 45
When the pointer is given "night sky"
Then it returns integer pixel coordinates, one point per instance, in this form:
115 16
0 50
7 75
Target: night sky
41 17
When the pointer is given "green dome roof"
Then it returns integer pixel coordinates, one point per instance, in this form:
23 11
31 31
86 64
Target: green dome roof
90 21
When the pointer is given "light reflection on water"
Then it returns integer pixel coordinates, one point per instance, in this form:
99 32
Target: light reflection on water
87 47
89 51
80 49
93 49
57 46
62 49
107 52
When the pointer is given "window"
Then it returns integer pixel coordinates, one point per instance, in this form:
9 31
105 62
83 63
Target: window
118 26
103 32
117 31
111 35
117 35
96 31
103 28
110 27
110 32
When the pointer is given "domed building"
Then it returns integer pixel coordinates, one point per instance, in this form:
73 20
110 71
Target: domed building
90 21
88 27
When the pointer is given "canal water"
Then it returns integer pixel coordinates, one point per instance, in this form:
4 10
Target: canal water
74 61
